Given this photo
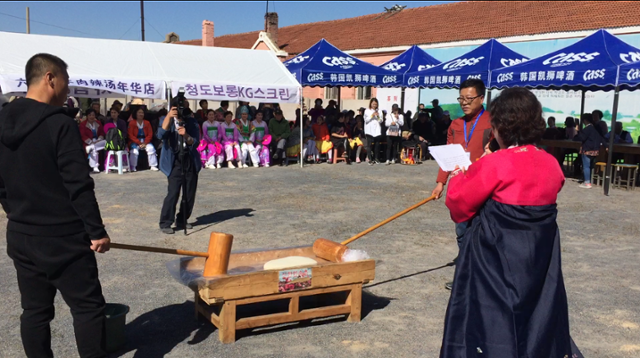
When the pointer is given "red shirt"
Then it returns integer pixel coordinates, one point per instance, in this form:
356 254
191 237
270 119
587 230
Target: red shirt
480 137
524 176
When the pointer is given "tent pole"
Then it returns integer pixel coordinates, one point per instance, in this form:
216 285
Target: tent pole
607 177
301 129
488 99
582 107
402 100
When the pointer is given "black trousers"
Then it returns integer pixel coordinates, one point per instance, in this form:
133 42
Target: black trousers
392 147
375 143
168 213
45 265
423 145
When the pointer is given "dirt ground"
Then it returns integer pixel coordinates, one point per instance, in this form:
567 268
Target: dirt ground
403 309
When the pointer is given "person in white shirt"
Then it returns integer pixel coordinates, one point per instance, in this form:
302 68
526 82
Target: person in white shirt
372 120
394 123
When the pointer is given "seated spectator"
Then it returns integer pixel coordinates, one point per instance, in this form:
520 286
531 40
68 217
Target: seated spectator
121 125
340 139
210 148
202 114
442 127
316 111
280 133
569 128
229 136
358 138
93 138
224 107
293 143
267 112
246 143
551 133
323 138
140 137
621 136
424 132
261 139
309 149
394 123
115 122
95 105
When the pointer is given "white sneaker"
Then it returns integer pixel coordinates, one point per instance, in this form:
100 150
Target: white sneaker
266 165
256 165
393 161
387 162
209 166
219 166
230 164
96 170
585 186
245 165
154 169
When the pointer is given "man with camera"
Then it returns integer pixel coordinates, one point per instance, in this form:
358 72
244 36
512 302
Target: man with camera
180 162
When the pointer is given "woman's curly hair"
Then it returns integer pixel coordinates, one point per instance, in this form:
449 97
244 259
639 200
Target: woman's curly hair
516 114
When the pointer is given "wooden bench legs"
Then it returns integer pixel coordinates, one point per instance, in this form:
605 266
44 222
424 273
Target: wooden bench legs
227 323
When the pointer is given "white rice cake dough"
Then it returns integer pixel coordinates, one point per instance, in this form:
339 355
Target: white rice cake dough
289 262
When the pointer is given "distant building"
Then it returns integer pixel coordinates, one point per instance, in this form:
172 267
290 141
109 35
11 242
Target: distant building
445 31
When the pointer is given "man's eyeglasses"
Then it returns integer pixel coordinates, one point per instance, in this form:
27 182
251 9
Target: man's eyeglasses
467 100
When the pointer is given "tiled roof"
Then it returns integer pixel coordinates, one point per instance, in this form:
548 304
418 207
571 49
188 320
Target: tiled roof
471 20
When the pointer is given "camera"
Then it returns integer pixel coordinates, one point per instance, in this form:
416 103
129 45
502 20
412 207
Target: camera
180 104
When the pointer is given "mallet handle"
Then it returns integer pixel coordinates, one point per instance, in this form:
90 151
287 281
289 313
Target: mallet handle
158 249
354 238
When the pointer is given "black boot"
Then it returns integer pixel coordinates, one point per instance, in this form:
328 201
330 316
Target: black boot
281 156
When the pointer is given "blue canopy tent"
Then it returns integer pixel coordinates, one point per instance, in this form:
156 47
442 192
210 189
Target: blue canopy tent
413 59
325 65
592 63
478 63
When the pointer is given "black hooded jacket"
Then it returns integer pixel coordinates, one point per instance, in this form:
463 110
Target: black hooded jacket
45 186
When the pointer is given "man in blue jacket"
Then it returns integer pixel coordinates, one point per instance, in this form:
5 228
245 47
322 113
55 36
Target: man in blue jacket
174 132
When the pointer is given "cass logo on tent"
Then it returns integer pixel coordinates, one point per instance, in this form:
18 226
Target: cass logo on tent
389 79
299 59
474 77
425 67
633 74
343 62
564 59
630 57
394 66
504 77
315 77
462 62
591 75
413 80
506 62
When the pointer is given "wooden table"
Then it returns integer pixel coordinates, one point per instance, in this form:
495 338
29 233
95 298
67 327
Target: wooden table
216 299
570 144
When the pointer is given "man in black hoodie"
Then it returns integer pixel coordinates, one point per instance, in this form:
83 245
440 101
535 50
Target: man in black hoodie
54 221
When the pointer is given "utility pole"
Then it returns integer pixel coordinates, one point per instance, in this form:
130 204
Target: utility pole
28 24
142 17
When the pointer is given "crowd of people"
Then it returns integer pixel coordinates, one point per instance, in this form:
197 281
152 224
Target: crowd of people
593 132
260 136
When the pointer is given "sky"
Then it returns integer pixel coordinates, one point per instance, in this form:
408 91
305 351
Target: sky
121 20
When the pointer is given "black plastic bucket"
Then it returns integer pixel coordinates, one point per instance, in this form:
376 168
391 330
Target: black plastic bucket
116 319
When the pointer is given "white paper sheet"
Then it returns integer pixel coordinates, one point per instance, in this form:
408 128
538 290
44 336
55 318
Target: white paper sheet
448 156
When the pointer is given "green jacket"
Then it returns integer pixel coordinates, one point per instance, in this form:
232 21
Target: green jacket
279 129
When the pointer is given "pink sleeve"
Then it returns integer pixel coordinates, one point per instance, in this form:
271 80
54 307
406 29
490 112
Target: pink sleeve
468 192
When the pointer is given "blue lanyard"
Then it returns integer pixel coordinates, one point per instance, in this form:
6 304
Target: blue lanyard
468 139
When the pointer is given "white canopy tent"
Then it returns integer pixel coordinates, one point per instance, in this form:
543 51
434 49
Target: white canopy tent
147 69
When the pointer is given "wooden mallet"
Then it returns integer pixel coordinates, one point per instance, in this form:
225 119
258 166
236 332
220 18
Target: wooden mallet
333 251
217 255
